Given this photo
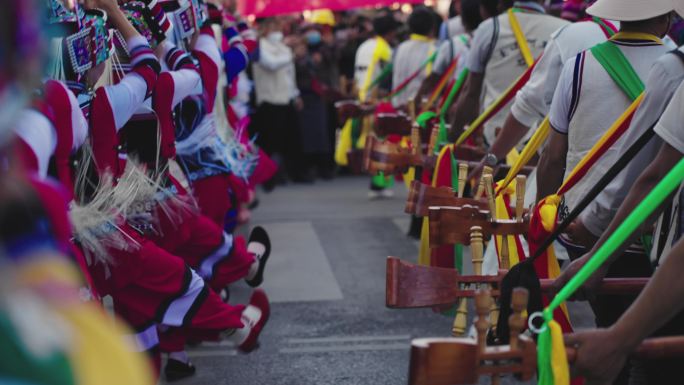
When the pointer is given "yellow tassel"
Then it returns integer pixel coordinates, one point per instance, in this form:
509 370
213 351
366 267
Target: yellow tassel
424 251
548 212
344 144
559 360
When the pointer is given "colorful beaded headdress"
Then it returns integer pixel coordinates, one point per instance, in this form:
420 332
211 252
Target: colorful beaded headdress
92 44
149 26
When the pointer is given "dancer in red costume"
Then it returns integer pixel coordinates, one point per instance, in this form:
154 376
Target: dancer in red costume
149 285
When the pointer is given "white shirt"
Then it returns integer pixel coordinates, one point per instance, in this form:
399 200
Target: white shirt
533 102
457 46
451 28
663 80
274 73
502 63
669 127
598 102
408 58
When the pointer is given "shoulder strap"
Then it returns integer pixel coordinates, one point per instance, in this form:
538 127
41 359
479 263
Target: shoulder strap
679 54
520 38
619 68
495 38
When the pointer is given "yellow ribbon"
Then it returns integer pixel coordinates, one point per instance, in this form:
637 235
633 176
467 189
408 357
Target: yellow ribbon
559 359
502 213
636 36
382 52
527 153
520 38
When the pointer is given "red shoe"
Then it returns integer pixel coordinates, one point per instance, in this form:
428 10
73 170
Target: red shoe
258 300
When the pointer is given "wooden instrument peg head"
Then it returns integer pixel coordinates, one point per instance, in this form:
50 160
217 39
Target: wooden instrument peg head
412 110
483 305
486 170
489 190
504 254
516 322
460 324
433 140
415 140
519 299
462 177
520 182
477 249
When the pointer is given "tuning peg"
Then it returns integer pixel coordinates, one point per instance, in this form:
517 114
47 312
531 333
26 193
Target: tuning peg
477 249
483 305
412 110
516 322
415 140
434 135
486 170
504 254
520 182
489 190
458 329
462 176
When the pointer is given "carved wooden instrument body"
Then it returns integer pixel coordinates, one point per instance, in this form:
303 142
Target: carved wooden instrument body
414 286
459 361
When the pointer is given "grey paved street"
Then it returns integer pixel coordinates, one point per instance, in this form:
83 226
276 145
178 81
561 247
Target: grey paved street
326 280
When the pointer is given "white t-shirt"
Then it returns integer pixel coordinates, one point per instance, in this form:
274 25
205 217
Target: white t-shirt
495 53
451 28
274 73
586 103
669 127
663 80
457 46
533 102
408 58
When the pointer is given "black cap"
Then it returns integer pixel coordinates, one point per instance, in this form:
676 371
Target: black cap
385 24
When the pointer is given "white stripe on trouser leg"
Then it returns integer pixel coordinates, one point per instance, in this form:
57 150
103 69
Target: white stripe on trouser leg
206 269
144 340
176 312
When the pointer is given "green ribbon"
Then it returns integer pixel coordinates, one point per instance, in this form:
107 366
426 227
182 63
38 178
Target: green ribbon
383 74
619 68
458 249
443 137
647 206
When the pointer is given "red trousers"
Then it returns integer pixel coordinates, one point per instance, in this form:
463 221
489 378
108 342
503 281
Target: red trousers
219 258
218 194
151 286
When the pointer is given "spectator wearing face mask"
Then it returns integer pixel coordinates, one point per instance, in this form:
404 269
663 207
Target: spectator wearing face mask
278 100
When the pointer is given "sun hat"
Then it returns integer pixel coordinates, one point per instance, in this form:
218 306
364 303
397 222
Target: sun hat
634 10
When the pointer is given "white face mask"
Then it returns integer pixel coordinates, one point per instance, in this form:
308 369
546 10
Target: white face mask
276 36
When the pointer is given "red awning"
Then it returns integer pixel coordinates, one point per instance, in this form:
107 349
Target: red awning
265 8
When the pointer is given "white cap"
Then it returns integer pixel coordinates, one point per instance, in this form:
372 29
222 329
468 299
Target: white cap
634 10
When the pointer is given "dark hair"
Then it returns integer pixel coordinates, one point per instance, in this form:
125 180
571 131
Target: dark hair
490 6
453 11
470 14
436 22
421 21
384 24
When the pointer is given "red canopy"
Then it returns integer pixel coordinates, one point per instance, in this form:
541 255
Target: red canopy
265 8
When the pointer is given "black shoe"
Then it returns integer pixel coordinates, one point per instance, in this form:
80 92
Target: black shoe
259 235
176 370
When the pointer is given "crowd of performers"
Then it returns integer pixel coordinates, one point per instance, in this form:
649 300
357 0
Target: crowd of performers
123 173
596 96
